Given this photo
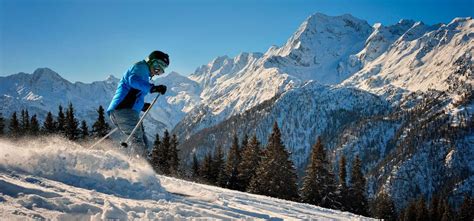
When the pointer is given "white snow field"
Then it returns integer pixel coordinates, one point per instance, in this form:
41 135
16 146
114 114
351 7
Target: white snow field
54 179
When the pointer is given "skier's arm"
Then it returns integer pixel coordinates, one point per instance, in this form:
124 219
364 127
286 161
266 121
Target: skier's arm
138 83
136 80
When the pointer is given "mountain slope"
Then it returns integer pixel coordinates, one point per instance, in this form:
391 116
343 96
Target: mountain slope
302 114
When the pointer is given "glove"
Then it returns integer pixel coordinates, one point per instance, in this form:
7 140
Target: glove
145 107
158 89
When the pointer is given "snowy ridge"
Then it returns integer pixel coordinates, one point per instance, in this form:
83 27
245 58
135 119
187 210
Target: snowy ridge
45 90
181 96
418 64
319 47
381 38
102 184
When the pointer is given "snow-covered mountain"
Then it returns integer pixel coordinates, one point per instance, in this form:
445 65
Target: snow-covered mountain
392 61
81 184
402 68
315 52
180 98
422 58
45 90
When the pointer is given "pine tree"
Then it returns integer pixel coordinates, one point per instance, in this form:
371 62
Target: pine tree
61 122
49 126
276 175
2 125
173 156
14 126
34 126
357 189
100 127
164 154
466 212
206 168
342 190
434 208
319 184
84 131
195 168
218 167
251 156
25 123
245 142
342 171
71 128
155 154
410 212
441 207
384 208
447 214
422 213
232 164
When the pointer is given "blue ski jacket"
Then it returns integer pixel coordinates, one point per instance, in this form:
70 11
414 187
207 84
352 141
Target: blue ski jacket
132 88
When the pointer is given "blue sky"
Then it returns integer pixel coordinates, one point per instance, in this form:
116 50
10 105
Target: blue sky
90 39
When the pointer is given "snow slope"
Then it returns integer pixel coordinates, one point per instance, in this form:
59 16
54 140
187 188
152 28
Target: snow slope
55 179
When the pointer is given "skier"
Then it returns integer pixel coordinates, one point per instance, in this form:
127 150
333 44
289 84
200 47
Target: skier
129 99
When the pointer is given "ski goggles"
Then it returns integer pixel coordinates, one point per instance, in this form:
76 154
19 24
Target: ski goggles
158 65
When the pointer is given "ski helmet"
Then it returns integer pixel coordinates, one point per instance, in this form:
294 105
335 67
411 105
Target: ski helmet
158 55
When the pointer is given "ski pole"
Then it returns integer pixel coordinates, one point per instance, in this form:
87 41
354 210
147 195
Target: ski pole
125 144
103 138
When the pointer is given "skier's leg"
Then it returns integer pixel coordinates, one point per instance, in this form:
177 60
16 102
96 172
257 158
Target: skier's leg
145 142
139 142
125 120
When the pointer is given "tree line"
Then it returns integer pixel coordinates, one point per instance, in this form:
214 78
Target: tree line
439 209
64 124
164 155
269 171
